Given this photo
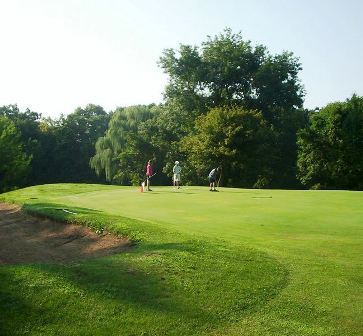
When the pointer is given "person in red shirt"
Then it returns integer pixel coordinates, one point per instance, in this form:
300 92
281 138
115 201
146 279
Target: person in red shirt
149 173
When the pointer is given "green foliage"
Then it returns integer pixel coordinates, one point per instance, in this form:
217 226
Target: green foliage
75 138
27 125
331 147
124 150
228 71
238 140
60 149
14 163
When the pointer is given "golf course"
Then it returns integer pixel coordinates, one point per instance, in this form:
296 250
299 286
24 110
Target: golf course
233 262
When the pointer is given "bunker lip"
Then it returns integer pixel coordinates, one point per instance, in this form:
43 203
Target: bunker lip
27 239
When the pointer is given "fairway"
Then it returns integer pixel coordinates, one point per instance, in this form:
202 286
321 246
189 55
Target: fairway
237 262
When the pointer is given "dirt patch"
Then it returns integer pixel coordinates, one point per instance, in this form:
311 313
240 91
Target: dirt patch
28 239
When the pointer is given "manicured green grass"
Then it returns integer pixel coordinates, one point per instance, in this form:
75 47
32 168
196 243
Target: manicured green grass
237 262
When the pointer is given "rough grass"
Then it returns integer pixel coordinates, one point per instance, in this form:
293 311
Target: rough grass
238 262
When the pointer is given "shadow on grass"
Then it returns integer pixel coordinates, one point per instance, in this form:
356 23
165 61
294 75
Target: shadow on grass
17 310
182 286
55 210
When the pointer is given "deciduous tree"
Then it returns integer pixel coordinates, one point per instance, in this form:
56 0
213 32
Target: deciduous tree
331 147
240 140
14 163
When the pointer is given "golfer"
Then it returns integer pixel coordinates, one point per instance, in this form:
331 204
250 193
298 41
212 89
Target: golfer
149 173
212 177
176 177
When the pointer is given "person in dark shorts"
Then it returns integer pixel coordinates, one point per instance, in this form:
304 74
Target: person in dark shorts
212 177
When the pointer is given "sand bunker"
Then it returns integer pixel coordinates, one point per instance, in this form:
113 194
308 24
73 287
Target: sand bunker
28 239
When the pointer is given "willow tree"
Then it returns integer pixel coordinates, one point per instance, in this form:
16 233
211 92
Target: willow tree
121 154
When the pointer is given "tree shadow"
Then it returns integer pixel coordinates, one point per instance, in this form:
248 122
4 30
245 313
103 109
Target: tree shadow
57 209
16 309
180 281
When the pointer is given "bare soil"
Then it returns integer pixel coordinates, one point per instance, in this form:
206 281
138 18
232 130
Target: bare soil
28 239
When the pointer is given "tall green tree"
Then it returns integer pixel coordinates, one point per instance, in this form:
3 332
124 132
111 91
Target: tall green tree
331 147
27 124
14 163
227 70
237 139
75 139
45 165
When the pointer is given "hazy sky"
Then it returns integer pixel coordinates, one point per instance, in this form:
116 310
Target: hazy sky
58 55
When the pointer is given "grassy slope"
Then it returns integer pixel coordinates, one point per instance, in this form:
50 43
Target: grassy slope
253 262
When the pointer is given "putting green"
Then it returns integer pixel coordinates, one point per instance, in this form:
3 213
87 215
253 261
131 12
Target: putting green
268 218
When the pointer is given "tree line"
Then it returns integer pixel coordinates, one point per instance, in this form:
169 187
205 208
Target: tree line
35 150
227 103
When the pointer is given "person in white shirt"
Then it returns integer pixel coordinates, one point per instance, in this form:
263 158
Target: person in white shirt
176 177
212 177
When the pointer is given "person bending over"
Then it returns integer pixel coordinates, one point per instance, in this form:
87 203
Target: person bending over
212 177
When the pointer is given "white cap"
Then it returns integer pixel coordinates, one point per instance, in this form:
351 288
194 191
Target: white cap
176 162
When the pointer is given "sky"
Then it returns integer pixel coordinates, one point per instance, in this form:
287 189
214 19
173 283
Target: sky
57 55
